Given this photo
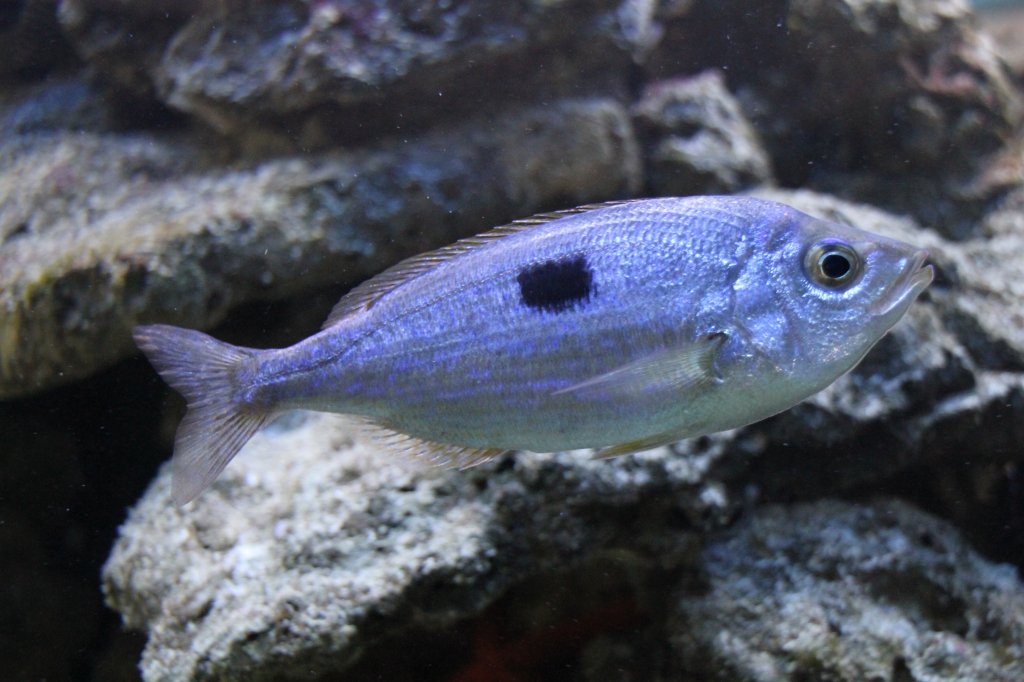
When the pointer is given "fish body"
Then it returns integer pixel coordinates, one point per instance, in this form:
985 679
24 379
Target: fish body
621 327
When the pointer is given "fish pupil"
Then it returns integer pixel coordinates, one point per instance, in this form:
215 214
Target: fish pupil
556 285
835 266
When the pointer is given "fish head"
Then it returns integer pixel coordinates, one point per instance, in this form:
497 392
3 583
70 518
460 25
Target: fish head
834 291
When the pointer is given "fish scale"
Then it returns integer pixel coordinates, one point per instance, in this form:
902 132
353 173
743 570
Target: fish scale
617 327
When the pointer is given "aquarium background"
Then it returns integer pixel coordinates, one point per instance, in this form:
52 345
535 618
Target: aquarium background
238 167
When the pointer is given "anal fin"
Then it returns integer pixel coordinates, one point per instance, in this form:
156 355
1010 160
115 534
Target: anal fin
442 455
649 443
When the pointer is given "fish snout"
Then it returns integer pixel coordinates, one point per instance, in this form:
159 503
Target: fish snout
912 280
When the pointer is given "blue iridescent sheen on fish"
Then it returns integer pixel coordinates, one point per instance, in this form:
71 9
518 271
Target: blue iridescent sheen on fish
618 327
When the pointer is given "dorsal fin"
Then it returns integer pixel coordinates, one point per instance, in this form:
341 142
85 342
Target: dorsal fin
366 295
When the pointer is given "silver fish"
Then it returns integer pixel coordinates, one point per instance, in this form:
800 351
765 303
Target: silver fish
619 326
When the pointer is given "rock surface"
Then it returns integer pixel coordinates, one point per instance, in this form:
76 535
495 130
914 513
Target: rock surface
315 72
199 162
104 226
898 103
1004 25
842 592
317 546
698 140
102 231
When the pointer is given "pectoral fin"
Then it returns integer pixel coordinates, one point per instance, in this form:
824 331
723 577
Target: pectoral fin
684 368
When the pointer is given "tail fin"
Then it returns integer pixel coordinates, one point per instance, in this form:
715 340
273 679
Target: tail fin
216 426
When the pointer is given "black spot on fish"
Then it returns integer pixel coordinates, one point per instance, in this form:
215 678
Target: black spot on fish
556 285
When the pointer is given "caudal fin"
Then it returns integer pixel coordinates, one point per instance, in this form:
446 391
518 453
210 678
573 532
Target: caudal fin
216 426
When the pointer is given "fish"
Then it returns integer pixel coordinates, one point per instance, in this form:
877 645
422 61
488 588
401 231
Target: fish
617 327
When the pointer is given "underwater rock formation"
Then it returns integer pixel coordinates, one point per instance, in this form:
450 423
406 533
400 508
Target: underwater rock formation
1004 25
901 104
101 231
352 86
328 72
192 161
842 592
317 547
698 140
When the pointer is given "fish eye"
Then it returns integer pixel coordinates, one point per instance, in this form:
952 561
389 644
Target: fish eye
832 264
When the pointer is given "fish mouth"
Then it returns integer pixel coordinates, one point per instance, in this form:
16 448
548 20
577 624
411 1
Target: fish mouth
907 287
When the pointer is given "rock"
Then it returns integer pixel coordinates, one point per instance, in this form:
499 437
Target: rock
67 103
984 312
102 231
1004 25
121 41
697 140
197 161
899 104
331 71
317 549
934 135
846 592
315 546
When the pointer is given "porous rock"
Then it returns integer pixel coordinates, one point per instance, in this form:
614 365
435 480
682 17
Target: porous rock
62 102
850 592
697 139
315 546
1005 24
316 549
333 70
901 104
933 134
101 231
